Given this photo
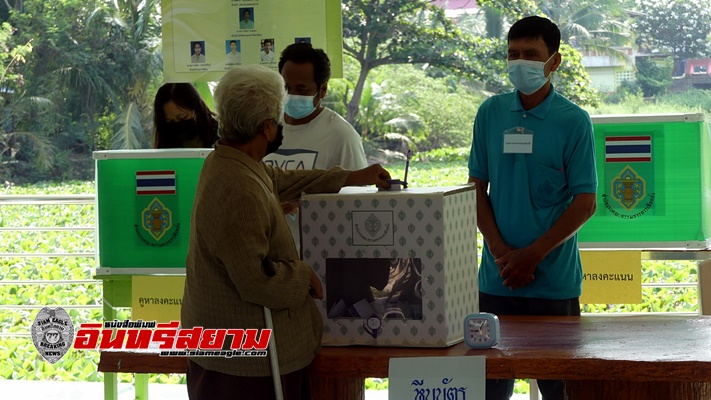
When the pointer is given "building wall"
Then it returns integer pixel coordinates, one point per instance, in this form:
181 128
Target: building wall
624 74
603 79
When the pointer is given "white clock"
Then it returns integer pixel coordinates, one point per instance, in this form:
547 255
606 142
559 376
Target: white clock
481 330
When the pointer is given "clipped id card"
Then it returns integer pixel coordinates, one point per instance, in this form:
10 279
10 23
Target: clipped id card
518 140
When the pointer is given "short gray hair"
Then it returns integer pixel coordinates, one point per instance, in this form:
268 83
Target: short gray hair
245 97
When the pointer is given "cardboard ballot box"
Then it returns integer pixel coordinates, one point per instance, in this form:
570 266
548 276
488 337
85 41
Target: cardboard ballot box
399 268
654 183
144 204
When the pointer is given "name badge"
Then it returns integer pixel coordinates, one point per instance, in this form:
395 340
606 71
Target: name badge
518 143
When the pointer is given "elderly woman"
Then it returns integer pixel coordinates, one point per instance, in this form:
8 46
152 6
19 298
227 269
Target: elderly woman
241 255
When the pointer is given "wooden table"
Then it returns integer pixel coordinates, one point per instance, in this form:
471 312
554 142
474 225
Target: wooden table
600 357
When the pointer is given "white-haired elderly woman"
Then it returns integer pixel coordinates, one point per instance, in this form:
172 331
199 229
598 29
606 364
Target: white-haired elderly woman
241 255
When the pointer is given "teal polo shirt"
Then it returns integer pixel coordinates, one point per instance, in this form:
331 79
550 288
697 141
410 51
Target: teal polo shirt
529 192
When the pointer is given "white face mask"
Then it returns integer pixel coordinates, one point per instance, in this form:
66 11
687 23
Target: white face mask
528 76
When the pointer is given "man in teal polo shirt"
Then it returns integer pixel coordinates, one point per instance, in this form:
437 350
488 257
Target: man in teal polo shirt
534 151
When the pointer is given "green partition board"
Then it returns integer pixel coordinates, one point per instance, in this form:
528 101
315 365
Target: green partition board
671 199
706 179
128 239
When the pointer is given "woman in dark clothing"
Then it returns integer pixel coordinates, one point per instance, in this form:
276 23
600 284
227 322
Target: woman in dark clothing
181 119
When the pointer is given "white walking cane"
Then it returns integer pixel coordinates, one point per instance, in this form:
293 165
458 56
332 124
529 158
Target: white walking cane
273 355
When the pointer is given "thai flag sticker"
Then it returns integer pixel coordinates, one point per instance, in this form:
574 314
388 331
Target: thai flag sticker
155 182
628 149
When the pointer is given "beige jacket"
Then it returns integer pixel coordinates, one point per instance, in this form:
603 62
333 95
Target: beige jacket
237 220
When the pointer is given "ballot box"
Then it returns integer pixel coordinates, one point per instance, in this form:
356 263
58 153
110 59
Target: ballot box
398 268
144 201
654 174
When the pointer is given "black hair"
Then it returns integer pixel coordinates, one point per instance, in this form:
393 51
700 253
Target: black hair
302 53
184 95
534 27
233 41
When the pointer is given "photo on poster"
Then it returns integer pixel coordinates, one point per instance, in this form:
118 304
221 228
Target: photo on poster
246 19
233 51
268 51
302 40
197 51
389 288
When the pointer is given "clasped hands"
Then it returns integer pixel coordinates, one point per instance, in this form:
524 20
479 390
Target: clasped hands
516 266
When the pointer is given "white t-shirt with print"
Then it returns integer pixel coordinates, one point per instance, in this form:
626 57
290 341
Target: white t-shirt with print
326 141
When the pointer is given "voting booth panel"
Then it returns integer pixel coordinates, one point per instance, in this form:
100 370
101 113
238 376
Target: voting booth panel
654 179
144 205
398 268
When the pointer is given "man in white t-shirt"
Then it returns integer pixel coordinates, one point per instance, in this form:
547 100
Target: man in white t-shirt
315 137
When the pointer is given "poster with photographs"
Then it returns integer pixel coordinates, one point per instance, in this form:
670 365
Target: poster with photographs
202 40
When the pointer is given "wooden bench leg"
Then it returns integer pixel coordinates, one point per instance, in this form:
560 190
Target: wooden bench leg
625 390
338 388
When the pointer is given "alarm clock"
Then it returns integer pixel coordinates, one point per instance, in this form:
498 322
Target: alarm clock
481 330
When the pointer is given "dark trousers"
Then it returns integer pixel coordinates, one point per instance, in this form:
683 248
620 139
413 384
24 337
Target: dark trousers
204 384
502 389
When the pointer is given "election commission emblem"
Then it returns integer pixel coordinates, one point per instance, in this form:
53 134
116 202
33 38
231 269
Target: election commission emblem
372 228
373 225
52 333
628 188
157 219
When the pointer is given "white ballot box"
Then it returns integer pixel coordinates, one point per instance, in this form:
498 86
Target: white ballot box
399 268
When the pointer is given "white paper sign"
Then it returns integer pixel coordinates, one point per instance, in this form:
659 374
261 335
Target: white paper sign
437 378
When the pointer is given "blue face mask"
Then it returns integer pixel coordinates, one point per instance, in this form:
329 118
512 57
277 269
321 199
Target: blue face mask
299 107
528 76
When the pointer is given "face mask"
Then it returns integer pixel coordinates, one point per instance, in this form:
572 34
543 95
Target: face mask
276 143
181 131
299 107
527 76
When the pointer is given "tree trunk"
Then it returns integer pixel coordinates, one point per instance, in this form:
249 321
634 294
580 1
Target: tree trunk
91 112
353 106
